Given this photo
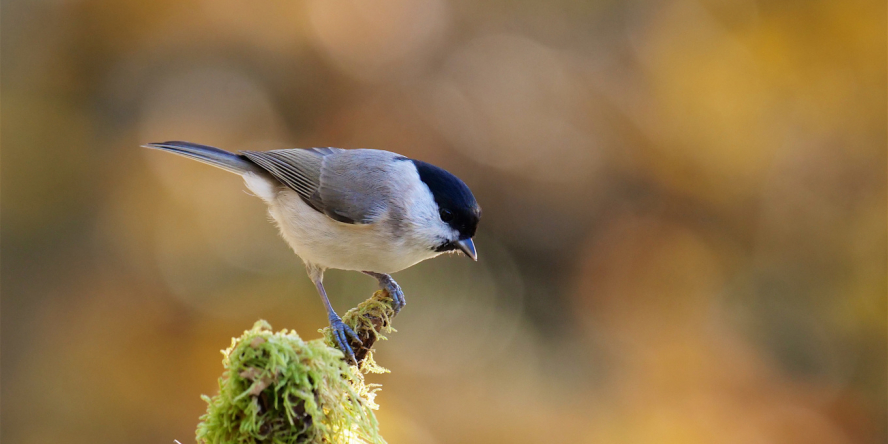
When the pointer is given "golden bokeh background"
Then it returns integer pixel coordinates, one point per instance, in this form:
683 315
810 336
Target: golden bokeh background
684 233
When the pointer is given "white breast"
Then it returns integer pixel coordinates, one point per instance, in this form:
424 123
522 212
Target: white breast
322 241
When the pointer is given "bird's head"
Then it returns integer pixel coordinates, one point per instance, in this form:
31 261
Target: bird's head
457 216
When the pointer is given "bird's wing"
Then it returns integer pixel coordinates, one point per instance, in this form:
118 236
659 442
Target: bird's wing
346 185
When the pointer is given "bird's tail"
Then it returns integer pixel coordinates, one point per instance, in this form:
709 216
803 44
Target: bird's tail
213 156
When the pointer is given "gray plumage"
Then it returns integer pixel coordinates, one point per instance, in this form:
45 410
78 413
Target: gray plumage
209 155
347 185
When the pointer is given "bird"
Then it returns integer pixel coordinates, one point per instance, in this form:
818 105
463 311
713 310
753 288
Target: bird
366 210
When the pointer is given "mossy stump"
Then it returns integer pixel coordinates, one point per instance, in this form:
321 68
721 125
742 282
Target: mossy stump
278 388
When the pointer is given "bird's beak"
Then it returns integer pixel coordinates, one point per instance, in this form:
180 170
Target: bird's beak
467 247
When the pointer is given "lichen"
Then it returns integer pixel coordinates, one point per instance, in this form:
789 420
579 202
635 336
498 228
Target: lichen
280 389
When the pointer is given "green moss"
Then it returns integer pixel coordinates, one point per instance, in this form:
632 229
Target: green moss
280 389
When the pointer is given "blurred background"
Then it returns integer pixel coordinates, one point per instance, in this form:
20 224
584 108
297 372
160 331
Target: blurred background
684 233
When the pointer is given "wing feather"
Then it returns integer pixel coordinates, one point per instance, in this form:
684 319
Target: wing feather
346 185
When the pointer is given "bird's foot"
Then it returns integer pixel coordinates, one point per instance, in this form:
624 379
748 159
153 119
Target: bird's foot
341 334
394 290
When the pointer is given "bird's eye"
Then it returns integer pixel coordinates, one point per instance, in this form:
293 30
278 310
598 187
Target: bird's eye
446 215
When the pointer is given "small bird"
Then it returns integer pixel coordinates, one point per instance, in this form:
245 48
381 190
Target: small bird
365 210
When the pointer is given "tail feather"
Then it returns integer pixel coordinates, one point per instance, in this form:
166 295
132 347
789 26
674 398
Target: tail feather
213 156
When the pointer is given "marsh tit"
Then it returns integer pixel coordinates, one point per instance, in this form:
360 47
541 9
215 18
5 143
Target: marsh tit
366 210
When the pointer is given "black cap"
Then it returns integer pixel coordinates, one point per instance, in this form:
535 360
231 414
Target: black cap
456 203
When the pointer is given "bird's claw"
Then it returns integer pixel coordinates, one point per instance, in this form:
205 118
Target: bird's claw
394 290
341 334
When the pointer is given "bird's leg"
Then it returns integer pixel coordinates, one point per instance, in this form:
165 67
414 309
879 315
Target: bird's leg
341 332
394 290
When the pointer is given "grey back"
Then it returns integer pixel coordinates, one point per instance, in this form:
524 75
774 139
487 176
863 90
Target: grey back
349 186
